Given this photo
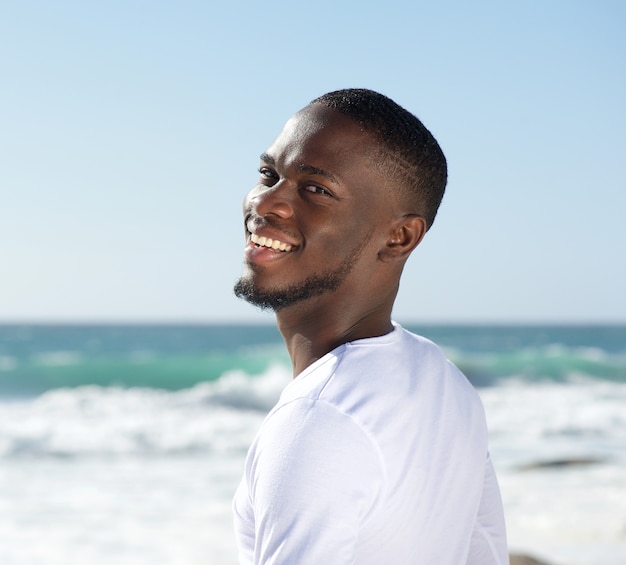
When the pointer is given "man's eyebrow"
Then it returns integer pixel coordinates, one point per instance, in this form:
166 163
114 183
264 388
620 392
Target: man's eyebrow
316 171
303 168
267 158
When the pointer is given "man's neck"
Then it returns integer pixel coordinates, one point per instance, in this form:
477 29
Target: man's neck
310 333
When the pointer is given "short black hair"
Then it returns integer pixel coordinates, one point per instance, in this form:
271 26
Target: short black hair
409 154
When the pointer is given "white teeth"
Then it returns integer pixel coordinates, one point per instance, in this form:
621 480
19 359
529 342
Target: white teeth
268 242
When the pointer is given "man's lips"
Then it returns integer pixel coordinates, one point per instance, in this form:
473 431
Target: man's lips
264 245
263 235
275 244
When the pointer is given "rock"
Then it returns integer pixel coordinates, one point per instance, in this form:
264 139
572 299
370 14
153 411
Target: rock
520 559
561 463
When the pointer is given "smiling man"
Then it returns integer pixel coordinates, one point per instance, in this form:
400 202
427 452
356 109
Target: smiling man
377 450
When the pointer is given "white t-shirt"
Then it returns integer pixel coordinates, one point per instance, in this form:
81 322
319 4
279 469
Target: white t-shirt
376 454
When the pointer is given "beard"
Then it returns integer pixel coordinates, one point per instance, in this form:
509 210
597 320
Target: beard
276 299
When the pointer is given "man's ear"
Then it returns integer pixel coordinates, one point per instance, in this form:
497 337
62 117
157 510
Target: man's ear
405 235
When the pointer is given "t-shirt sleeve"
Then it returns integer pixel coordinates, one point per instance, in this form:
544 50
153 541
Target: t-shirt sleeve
314 476
488 544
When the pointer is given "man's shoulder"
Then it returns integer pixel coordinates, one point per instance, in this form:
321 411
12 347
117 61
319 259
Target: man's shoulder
401 346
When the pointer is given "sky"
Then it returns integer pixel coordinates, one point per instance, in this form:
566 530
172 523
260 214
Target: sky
130 132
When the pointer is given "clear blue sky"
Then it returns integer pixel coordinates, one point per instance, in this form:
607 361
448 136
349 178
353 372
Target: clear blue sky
130 131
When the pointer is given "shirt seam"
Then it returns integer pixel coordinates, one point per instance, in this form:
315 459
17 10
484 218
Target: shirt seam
362 429
482 530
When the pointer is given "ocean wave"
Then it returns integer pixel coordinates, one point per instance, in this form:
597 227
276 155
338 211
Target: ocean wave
546 421
37 359
104 421
47 371
583 418
553 363
147 369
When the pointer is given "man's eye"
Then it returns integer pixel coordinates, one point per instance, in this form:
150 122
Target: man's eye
316 189
267 173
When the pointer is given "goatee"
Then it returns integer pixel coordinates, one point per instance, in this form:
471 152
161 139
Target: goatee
315 285
276 299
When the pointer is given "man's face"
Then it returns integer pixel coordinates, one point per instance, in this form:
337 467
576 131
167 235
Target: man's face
316 215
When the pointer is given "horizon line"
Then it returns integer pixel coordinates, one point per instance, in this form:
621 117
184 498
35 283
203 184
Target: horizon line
271 322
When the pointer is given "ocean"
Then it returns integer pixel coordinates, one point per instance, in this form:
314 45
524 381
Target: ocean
124 444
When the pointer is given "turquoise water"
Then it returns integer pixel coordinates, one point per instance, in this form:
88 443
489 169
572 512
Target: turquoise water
34 359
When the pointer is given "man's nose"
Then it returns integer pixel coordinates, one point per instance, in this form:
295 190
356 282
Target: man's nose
276 200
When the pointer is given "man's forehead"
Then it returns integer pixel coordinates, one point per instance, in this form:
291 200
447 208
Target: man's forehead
310 119
318 123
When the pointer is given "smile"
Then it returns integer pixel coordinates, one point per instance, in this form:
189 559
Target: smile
271 243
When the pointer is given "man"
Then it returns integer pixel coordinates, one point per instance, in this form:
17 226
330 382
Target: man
376 453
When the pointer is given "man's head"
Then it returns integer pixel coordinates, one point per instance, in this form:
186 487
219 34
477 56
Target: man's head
408 152
346 192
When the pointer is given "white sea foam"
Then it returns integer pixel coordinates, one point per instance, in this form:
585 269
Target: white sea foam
561 462
93 420
142 476
131 476
548 420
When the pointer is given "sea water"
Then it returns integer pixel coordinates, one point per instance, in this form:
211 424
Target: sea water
125 444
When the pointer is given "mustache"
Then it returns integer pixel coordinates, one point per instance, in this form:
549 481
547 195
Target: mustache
252 219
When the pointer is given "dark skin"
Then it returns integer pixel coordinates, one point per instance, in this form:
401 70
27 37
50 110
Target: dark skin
325 208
